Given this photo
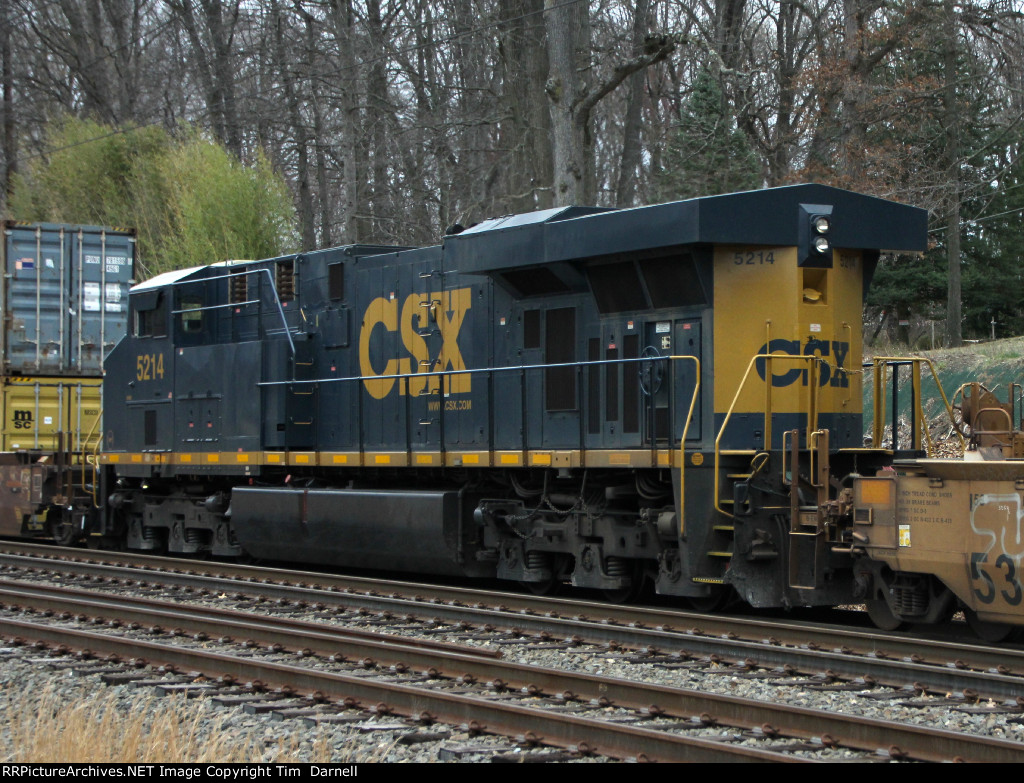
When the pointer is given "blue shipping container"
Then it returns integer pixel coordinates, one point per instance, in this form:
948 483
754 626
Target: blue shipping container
65 297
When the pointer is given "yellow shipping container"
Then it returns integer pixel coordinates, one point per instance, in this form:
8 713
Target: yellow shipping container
35 409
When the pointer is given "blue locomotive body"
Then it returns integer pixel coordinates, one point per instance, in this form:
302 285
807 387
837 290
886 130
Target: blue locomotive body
601 397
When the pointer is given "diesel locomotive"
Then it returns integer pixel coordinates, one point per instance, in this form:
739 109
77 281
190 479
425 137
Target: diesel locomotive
669 395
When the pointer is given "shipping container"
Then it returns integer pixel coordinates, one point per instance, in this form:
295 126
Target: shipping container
36 409
64 298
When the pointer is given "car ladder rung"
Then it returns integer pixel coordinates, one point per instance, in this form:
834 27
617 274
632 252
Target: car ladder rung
738 475
725 528
708 580
719 554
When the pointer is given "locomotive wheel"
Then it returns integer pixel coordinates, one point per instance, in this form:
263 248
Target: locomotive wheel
992 633
547 587
717 600
624 595
630 593
107 543
881 615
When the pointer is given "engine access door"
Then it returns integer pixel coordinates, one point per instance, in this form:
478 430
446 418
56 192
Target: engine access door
668 384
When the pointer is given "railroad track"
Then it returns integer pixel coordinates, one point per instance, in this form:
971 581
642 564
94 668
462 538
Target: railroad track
966 670
455 684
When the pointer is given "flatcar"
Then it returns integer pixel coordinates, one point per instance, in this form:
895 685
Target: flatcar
931 536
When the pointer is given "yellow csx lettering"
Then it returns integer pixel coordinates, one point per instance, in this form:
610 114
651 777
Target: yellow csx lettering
448 309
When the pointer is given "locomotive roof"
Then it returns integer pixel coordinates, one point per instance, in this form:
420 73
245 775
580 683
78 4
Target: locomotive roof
166 278
769 217
178 275
533 218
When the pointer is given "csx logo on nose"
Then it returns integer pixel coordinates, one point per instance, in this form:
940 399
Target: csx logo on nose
830 372
448 310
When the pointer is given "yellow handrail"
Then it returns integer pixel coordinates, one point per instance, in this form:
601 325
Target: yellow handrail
682 442
812 412
878 375
92 459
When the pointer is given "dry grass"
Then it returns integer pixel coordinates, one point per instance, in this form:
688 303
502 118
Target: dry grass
98 729
1010 349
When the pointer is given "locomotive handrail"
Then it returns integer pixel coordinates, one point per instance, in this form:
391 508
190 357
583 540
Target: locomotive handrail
878 363
491 371
215 307
518 368
94 463
469 371
812 413
273 290
682 443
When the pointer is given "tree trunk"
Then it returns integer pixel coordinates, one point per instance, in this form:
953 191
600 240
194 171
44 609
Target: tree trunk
954 331
786 75
353 225
285 65
852 131
377 110
572 98
7 108
319 138
625 189
566 88
215 63
526 126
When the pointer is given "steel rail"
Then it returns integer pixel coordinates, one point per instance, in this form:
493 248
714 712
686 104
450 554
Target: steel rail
581 734
852 732
215 622
888 659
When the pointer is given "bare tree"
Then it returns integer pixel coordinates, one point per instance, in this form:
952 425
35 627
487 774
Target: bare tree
573 96
212 41
10 152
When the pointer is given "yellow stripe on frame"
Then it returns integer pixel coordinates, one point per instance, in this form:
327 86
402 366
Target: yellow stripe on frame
591 457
